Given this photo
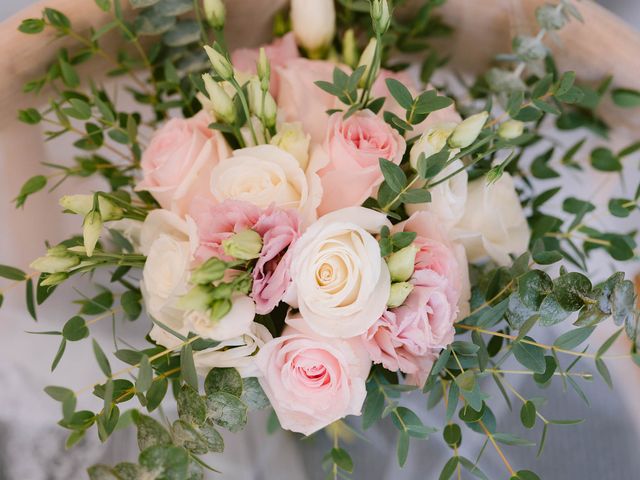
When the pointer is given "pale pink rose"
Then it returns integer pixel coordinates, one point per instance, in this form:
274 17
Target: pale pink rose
301 100
177 164
278 228
310 380
279 52
354 147
409 337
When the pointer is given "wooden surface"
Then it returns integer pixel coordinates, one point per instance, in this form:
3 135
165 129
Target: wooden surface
604 45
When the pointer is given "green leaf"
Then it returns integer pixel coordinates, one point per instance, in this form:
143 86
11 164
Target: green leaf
342 459
148 22
142 3
466 380
166 462
150 432
174 7
605 160
31 25
188 372
101 358
187 436
540 168
57 18
65 396
528 414
407 421
253 395
30 116
533 287
98 304
12 273
69 74
416 195
530 356
104 5
102 472
571 289
393 175
604 371
573 338
223 380
509 439
183 33
608 343
75 329
59 353
145 375
626 97
430 101
156 393
31 186
429 167
452 435
131 303
403 448
31 308
191 406
400 93
621 207
226 410
526 475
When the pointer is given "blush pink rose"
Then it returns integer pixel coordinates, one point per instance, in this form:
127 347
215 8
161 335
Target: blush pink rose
177 164
278 228
279 52
301 100
310 380
353 148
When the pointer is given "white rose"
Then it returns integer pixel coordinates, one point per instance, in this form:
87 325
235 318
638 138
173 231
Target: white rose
314 24
291 138
238 352
340 282
448 199
266 175
235 323
494 223
130 229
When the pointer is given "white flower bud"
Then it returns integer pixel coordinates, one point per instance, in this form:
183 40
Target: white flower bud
399 293
511 129
220 64
270 111
244 245
380 15
467 131
402 263
83 204
215 12
54 279
431 142
314 24
55 263
264 70
91 229
255 96
198 298
367 59
291 138
221 103
349 48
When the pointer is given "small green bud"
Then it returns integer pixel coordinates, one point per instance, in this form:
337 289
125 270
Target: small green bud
264 70
91 229
367 59
83 204
223 106
399 293
511 129
219 308
55 263
210 271
468 130
220 64
222 291
270 111
54 279
401 263
245 245
380 15
349 48
198 298
215 12
255 92
494 174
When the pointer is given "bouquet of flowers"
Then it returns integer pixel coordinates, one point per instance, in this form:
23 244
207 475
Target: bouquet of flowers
311 227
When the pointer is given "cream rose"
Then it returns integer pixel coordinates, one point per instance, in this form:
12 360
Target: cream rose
238 352
494 223
266 175
340 282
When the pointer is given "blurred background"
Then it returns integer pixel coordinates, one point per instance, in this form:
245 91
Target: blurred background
32 445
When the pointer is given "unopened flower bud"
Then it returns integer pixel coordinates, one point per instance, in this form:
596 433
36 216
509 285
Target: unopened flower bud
244 245
83 204
223 107
468 130
219 308
511 129
210 271
402 263
255 96
215 12
314 24
54 279
55 263
380 15
494 174
291 138
198 298
264 70
399 293
349 48
91 229
270 111
220 64
368 59
431 142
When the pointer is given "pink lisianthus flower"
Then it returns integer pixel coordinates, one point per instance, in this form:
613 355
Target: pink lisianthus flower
278 228
409 337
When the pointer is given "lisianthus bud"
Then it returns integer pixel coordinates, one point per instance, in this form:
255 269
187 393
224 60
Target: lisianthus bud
198 298
264 70
467 131
402 263
244 245
82 204
54 279
380 15
255 96
219 308
511 129
221 102
349 48
215 12
220 64
270 111
210 271
291 138
367 59
494 174
431 142
55 263
91 228
398 294
314 24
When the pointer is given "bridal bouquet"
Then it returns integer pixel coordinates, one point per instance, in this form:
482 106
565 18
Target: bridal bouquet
312 227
